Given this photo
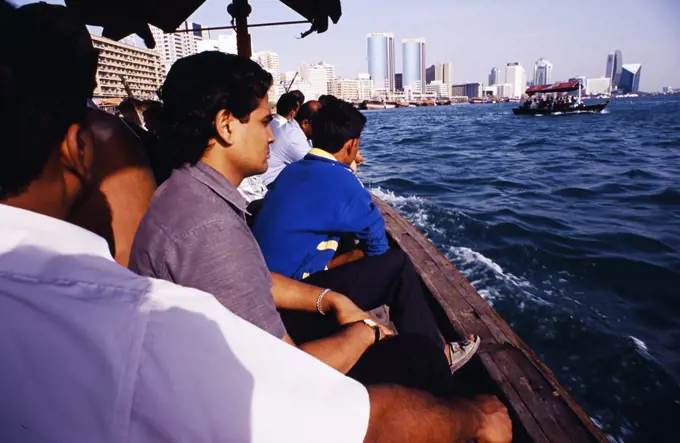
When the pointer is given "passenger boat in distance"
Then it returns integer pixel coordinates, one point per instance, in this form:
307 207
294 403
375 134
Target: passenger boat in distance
556 99
540 408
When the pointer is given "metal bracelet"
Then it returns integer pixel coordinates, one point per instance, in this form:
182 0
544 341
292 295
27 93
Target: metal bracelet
320 299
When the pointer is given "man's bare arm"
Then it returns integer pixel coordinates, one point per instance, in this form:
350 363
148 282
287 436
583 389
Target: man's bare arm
405 415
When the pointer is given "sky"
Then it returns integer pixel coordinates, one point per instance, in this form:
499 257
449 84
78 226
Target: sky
476 35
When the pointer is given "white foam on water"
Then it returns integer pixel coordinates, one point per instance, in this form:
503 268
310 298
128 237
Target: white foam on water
641 347
397 201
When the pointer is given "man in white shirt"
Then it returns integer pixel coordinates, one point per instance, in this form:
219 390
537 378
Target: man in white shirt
292 141
92 352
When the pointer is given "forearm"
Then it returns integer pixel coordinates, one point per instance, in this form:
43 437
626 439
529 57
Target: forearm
341 351
405 415
298 296
347 257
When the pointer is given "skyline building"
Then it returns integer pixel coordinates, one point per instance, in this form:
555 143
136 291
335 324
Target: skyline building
609 70
398 81
444 73
543 72
414 64
597 86
629 82
494 77
140 67
616 68
516 75
172 47
470 90
438 88
317 77
365 86
224 43
381 60
270 62
430 74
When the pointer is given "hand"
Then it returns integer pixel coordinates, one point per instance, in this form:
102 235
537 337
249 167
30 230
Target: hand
347 312
359 159
496 426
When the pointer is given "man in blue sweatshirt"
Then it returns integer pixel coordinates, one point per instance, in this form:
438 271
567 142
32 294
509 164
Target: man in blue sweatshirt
317 201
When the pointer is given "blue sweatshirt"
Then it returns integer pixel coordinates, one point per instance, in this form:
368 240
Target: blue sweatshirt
306 209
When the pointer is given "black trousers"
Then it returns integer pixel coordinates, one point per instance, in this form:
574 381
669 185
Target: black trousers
414 358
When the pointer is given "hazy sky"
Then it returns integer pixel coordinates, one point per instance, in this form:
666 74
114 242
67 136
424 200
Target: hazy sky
475 35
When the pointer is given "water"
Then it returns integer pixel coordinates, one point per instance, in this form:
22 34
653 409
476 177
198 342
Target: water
569 226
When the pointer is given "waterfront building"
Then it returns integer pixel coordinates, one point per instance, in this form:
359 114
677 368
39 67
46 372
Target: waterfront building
438 88
366 88
504 90
494 77
543 72
172 47
443 72
140 67
614 67
430 74
414 64
516 75
317 77
381 61
270 62
224 43
470 90
344 88
667 90
399 82
629 81
597 86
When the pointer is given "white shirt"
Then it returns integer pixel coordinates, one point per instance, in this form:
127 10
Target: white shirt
91 352
277 120
290 145
252 188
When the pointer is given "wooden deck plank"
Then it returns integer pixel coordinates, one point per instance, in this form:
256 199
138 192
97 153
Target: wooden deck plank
541 404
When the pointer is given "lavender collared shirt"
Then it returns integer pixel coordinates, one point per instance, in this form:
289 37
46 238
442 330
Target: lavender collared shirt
195 234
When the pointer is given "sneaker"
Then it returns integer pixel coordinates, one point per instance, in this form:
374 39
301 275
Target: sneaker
462 351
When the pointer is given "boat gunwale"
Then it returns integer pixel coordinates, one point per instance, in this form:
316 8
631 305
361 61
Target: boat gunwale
549 415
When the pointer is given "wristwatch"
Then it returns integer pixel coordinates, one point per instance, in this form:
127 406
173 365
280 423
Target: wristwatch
373 325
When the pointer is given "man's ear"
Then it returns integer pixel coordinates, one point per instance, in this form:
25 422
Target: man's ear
76 151
223 126
352 147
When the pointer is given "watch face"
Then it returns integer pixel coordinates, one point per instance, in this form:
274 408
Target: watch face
370 322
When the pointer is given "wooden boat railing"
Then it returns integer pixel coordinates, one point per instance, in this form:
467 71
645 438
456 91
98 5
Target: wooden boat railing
541 409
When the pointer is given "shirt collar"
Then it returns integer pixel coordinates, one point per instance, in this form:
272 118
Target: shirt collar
213 179
22 228
279 118
325 155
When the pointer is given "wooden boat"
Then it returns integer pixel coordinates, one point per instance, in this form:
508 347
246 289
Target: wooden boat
540 408
556 108
577 109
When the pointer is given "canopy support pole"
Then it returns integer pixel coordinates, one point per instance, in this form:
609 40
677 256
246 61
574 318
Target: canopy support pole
240 10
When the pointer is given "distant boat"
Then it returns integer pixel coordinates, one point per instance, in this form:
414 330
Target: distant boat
557 105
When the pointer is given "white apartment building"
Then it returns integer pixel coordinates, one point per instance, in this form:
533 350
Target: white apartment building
366 86
270 62
141 69
597 86
504 90
438 88
317 77
172 47
344 89
224 43
516 75
542 72
443 72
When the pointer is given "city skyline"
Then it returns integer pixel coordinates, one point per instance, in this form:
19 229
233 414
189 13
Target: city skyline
644 31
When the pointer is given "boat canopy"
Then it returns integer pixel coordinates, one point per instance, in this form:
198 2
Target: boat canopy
120 18
555 87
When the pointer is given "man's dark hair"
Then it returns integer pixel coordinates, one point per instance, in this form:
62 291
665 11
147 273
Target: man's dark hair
287 103
335 124
306 112
299 95
46 77
197 88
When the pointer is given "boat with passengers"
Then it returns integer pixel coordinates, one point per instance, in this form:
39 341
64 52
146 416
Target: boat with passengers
541 409
557 99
